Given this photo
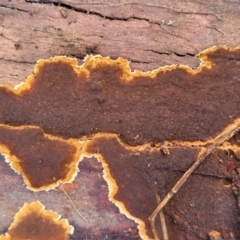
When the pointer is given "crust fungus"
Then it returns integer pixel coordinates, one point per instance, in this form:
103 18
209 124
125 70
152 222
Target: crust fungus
123 118
103 95
35 223
137 175
43 160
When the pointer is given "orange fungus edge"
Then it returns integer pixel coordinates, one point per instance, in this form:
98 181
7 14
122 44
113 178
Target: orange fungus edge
38 209
94 61
73 166
113 187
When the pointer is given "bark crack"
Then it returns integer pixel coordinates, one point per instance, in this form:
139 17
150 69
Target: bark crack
67 6
12 8
161 23
169 53
13 60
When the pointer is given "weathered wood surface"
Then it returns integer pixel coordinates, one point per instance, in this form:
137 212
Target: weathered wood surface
150 35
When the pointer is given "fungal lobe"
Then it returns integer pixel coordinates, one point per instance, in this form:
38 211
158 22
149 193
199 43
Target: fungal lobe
43 160
136 176
35 223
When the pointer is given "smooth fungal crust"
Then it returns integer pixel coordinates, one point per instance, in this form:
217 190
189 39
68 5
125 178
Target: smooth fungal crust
91 149
103 95
35 223
135 177
44 161
128 188
61 102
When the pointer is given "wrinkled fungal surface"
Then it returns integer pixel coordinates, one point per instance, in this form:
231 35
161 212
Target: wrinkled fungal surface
145 128
35 223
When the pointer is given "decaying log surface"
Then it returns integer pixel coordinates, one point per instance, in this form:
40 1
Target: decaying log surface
149 35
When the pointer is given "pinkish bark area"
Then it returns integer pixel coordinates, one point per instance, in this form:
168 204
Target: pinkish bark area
150 34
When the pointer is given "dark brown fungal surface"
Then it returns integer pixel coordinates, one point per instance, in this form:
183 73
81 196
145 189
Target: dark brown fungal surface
172 103
35 223
125 119
44 161
135 177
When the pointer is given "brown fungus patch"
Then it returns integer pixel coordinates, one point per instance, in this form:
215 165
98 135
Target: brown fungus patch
103 95
43 160
136 175
35 223
186 108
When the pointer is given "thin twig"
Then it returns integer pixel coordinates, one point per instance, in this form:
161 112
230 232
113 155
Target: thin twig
163 222
74 206
225 135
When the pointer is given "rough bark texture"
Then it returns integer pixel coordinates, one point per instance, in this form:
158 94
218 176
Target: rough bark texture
150 35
